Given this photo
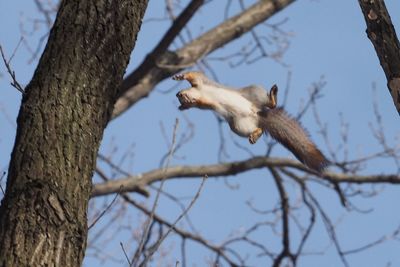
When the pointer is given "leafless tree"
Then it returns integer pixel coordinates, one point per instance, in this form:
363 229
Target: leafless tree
48 182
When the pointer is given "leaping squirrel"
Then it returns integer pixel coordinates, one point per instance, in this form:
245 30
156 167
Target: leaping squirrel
250 111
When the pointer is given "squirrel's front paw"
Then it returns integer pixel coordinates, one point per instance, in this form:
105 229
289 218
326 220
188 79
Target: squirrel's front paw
193 77
185 100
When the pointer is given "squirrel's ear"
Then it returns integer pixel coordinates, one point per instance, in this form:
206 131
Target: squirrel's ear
273 97
274 90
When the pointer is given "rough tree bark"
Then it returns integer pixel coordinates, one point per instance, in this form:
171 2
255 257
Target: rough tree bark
64 111
382 34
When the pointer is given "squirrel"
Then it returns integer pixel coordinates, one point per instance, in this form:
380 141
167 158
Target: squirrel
251 111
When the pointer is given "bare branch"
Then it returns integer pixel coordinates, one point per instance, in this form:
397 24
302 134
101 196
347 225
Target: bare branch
285 252
139 189
132 183
176 27
142 81
310 208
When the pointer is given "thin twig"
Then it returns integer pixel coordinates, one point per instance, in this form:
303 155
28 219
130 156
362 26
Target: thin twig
104 211
157 245
151 217
183 233
374 243
126 255
1 179
14 82
15 49
329 228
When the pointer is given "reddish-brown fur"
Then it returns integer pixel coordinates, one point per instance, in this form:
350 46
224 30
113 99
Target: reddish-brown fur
250 111
290 134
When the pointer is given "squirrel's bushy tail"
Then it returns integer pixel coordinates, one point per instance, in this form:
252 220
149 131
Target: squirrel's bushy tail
291 134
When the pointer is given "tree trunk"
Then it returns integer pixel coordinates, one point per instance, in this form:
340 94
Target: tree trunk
65 108
383 36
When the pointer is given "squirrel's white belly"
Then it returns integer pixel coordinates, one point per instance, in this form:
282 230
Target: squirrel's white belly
237 110
231 104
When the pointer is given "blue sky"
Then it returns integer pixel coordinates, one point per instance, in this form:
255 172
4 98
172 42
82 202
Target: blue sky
327 40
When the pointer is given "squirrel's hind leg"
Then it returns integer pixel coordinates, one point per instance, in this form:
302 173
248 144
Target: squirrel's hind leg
254 136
